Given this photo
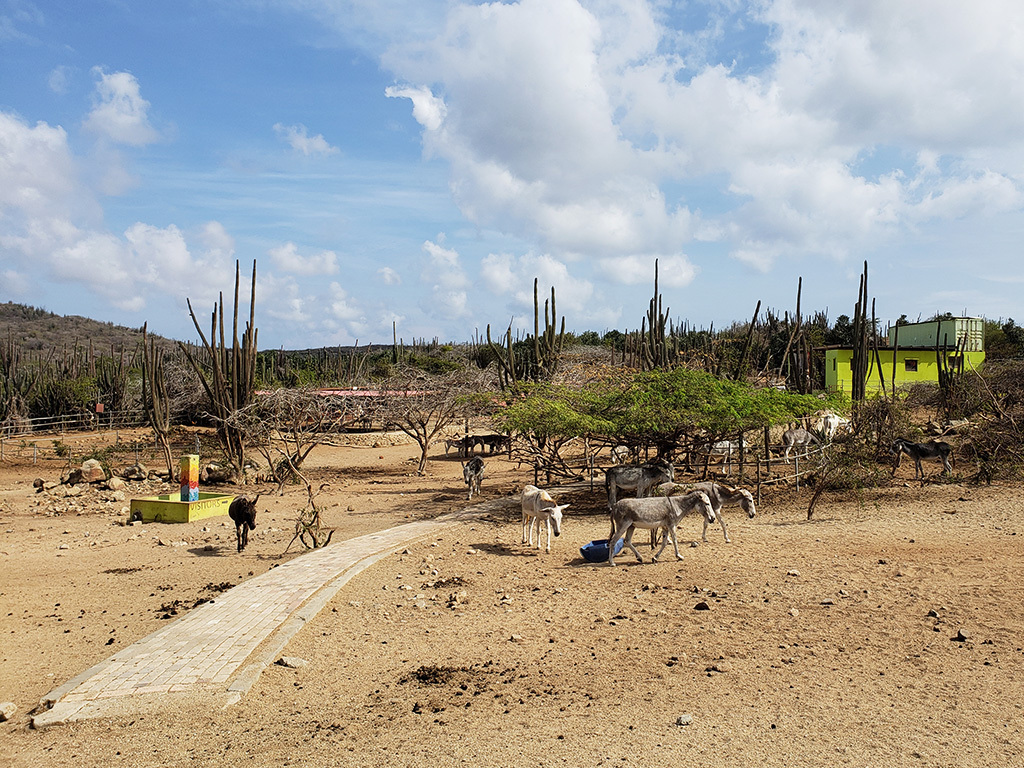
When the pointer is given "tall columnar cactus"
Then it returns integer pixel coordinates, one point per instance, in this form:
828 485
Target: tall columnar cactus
17 381
228 373
657 346
546 348
154 396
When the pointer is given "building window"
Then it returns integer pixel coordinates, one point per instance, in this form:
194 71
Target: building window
910 366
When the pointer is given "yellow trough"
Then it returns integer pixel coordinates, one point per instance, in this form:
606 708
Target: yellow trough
168 508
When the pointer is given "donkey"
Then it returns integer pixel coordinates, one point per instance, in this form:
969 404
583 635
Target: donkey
540 508
798 438
641 479
473 474
243 512
721 496
652 514
933 450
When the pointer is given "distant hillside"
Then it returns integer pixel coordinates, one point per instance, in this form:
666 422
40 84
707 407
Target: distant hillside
38 330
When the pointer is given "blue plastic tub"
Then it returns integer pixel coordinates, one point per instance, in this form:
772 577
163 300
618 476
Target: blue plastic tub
597 551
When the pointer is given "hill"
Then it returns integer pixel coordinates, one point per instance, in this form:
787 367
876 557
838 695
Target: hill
37 330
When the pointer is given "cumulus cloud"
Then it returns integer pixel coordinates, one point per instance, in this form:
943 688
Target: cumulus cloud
673 271
448 283
598 130
119 112
298 139
428 109
513 277
288 259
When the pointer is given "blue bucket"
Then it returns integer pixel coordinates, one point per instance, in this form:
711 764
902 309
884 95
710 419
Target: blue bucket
597 551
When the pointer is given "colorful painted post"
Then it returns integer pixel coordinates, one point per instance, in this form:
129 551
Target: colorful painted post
190 477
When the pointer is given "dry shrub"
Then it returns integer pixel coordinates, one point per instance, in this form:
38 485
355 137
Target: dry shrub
994 441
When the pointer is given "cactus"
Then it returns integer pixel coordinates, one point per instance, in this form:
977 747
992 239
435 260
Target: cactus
228 373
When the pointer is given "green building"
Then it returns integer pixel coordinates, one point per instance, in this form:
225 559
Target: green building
915 349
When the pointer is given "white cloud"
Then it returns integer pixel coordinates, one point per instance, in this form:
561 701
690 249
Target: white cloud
298 139
389 276
119 112
287 258
513 277
447 282
428 110
596 131
673 271
15 283
283 299
343 307
58 80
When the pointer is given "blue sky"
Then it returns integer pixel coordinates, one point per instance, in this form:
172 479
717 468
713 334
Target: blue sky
420 163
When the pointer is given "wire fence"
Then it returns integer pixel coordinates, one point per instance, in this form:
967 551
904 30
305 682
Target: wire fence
51 437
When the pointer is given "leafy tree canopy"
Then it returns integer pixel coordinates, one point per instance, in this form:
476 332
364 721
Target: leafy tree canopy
655 406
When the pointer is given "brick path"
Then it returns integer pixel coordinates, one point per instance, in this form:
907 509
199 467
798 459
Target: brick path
219 649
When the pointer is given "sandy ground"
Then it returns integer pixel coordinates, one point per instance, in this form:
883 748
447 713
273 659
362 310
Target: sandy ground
888 631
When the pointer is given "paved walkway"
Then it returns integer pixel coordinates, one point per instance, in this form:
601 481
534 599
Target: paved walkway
218 650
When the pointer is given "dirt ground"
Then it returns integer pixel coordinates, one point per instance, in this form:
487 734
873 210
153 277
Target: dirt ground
887 631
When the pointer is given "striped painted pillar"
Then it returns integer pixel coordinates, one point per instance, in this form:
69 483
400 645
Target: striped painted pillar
190 477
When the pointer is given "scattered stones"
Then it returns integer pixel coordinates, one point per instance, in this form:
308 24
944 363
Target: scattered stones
291 662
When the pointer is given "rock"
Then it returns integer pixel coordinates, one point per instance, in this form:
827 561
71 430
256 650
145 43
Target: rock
74 490
684 720
291 662
135 472
702 606
7 710
93 472
117 496
216 474
962 636
793 572
115 484
794 612
64 546
38 484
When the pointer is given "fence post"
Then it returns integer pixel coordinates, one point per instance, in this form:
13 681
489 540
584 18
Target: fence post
1 448
35 451
796 463
758 460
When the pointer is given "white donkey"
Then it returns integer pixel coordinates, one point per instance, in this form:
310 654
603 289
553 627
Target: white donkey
539 507
653 513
